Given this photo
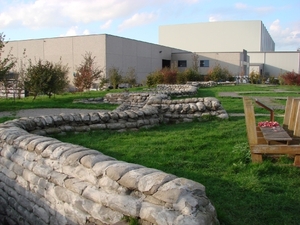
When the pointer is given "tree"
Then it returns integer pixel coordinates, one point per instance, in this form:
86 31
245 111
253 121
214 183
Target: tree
87 73
19 78
46 78
115 77
130 77
7 63
195 59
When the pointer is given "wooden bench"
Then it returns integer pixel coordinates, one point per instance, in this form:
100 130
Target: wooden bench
267 141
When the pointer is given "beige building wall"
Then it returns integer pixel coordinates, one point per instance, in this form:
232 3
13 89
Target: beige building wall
275 63
235 62
228 36
144 57
70 50
108 51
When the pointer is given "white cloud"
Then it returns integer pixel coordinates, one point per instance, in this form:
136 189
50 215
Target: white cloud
212 19
106 25
190 1
54 13
265 9
285 38
86 32
250 9
275 26
240 5
74 30
138 19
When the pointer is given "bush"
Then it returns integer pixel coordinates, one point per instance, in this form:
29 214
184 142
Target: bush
290 78
46 78
169 75
154 78
273 80
130 77
219 74
181 78
254 77
115 77
193 75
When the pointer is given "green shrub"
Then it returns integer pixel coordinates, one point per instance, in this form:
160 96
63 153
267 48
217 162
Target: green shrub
254 77
273 80
192 75
130 77
181 78
219 74
46 78
115 77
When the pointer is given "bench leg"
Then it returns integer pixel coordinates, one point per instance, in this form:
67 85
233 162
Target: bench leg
297 161
256 158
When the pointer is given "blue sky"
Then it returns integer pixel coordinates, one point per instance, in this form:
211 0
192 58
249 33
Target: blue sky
140 19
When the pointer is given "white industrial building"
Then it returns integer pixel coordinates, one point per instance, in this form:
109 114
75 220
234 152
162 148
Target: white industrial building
222 42
226 36
109 51
240 46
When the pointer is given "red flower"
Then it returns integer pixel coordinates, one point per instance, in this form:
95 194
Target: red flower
268 124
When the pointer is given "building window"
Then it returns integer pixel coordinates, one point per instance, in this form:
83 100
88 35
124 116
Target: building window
204 63
181 63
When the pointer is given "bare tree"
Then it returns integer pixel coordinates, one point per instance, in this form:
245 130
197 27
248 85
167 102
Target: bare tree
7 63
130 77
115 77
195 59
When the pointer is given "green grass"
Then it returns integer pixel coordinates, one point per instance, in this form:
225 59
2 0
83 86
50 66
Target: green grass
58 101
214 153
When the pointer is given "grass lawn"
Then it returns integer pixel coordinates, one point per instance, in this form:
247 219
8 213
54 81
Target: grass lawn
216 154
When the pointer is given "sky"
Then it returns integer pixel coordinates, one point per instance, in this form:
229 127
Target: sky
140 19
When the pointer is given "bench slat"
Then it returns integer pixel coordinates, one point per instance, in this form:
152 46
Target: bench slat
275 134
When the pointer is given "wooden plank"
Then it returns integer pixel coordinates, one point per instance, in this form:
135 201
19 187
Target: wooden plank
293 115
267 108
261 141
250 121
276 149
275 134
297 161
256 158
287 113
297 123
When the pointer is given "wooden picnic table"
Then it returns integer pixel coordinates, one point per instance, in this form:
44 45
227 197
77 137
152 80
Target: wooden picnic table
284 140
277 134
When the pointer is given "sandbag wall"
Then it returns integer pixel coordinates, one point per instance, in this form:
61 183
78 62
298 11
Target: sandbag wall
45 181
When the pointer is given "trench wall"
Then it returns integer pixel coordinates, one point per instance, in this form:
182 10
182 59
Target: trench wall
45 181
